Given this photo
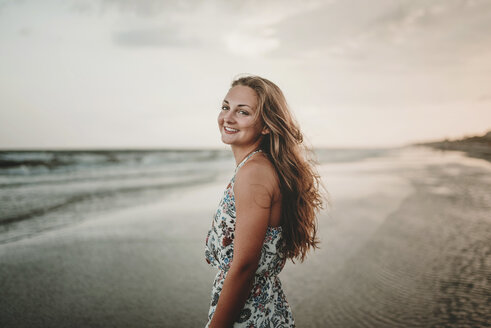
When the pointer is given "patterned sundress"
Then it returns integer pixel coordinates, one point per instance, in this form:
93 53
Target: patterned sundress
266 305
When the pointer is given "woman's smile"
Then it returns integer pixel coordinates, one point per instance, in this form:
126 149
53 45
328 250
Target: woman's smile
230 130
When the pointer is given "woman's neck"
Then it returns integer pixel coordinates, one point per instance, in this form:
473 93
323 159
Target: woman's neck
241 152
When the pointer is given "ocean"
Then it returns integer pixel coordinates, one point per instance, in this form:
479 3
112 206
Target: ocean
116 238
43 190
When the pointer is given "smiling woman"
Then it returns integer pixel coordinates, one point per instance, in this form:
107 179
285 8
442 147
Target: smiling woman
237 120
268 211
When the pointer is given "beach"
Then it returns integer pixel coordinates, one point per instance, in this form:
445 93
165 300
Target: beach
425 264
404 243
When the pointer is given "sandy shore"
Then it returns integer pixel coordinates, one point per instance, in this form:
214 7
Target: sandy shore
142 267
427 264
403 245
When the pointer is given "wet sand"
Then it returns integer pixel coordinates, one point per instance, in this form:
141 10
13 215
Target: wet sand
426 265
141 267
404 244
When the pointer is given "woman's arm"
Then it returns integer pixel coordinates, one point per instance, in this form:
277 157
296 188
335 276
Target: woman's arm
253 194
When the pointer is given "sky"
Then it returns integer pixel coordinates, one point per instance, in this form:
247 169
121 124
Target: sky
153 74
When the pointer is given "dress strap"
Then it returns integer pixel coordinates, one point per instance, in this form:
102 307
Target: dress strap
245 159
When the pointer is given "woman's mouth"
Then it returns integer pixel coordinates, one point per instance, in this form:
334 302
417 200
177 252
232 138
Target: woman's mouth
230 130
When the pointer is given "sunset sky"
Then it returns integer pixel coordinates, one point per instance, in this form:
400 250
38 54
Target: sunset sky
152 74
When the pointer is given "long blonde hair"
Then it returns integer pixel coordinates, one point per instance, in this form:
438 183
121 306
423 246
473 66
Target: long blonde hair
298 178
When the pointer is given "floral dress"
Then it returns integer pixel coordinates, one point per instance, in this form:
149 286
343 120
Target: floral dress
266 305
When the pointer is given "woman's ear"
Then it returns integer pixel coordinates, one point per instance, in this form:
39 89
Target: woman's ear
265 130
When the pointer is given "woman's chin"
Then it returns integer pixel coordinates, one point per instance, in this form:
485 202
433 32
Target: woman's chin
226 140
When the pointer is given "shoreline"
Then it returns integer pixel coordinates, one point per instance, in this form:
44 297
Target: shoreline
476 147
472 152
390 254
425 265
114 269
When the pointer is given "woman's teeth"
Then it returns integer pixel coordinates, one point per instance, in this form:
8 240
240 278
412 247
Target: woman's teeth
230 129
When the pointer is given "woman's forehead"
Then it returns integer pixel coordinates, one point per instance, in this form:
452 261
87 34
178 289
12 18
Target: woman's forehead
241 95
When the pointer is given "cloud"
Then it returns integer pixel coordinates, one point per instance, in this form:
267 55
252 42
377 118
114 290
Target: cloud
25 31
145 8
382 33
243 28
484 98
156 37
439 15
245 43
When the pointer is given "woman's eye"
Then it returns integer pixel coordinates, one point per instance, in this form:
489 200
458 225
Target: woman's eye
243 112
224 107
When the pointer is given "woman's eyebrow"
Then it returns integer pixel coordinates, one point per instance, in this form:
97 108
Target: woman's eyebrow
225 101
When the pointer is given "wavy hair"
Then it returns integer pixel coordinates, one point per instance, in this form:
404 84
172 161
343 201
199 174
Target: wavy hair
298 178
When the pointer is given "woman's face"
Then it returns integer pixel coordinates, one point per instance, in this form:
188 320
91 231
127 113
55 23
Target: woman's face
236 119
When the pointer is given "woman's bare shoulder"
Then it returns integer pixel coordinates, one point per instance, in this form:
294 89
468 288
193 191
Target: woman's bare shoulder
259 170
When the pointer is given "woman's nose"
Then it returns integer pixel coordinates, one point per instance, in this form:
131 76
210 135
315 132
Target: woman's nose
228 116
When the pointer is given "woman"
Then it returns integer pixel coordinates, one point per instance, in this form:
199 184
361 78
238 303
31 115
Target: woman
268 210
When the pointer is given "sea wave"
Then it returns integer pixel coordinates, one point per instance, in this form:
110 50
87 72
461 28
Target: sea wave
54 187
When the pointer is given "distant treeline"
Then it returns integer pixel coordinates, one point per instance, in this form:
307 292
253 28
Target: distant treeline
476 146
